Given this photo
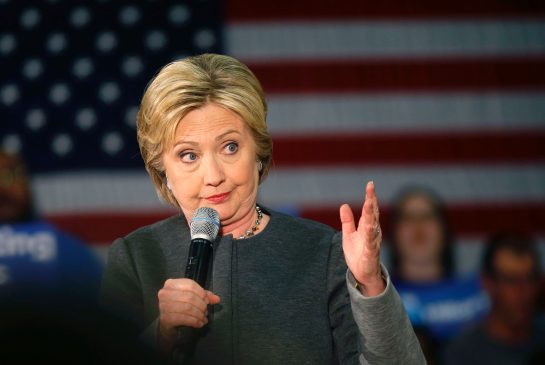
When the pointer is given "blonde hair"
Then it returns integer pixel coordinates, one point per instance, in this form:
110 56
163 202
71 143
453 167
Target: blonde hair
189 84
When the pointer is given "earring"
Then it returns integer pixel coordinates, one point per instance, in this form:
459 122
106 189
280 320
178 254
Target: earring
259 165
168 185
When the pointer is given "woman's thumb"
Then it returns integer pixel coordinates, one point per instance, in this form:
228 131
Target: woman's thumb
213 298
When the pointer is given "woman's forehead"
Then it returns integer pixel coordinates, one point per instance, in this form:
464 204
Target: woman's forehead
209 121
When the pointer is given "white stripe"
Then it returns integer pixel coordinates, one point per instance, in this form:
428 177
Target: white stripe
300 114
460 184
254 42
100 191
286 187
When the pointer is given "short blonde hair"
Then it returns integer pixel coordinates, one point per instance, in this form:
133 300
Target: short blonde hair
189 84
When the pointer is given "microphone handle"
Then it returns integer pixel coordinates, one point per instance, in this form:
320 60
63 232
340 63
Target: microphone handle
198 261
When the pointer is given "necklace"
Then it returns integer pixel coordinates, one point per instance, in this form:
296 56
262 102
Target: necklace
251 231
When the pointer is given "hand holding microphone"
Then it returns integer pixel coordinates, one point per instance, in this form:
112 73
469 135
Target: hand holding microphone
184 302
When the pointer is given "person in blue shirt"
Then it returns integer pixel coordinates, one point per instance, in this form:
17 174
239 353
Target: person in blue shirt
439 303
37 261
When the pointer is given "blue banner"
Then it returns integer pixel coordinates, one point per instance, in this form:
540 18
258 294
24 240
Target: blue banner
446 307
36 257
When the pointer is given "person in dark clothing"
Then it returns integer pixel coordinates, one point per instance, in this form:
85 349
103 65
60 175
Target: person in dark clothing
283 290
514 331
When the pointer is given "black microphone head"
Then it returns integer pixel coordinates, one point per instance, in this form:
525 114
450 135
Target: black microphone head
205 224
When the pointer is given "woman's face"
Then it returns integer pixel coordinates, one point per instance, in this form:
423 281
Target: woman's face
419 233
212 163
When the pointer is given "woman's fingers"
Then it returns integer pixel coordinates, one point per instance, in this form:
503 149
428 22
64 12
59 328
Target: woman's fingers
175 297
182 302
347 220
183 319
369 224
184 308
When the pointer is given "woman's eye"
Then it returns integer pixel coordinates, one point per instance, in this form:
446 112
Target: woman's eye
188 157
231 147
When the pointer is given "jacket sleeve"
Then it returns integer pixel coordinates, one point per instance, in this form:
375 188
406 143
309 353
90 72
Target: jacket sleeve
121 295
120 292
382 328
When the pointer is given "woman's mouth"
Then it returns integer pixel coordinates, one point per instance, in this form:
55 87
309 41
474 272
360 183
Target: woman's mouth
217 198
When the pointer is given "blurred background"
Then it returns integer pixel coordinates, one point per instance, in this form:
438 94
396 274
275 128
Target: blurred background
443 98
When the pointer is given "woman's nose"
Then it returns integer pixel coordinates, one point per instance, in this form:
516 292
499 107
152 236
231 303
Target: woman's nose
213 172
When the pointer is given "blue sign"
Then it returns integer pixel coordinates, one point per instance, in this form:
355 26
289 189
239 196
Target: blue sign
445 307
36 257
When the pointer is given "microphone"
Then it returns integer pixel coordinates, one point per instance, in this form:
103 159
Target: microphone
204 228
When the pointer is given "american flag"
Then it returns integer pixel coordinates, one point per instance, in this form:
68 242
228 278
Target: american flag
450 95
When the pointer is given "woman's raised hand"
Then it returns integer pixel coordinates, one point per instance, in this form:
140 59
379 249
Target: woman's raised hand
361 245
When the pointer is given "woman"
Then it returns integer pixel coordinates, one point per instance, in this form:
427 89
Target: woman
438 302
280 291
420 237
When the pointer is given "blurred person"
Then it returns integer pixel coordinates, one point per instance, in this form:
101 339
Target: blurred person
439 303
421 240
15 197
513 332
38 263
282 290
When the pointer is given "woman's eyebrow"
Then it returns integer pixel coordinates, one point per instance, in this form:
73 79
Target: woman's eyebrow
226 133
183 141
221 136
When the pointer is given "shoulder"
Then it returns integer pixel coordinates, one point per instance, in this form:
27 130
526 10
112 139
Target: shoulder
301 225
172 229
158 229
304 232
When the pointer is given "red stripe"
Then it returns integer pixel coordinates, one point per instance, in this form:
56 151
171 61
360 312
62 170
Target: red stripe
401 75
246 10
482 220
407 149
103 227
465 220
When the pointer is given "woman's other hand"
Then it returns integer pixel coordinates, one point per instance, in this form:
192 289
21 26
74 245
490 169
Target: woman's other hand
361 245
183 302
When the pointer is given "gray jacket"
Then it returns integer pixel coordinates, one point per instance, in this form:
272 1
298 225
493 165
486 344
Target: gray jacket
286 297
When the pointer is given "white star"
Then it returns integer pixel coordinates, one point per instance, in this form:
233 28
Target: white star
129 15
108 92
132 66
12 144
204 38
62 144
35 119
59 93
83 67
179 14
32 68
130 116
106 41
112 143
9 94
30 18
7 43
80 17
56 42
85 118
155 40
